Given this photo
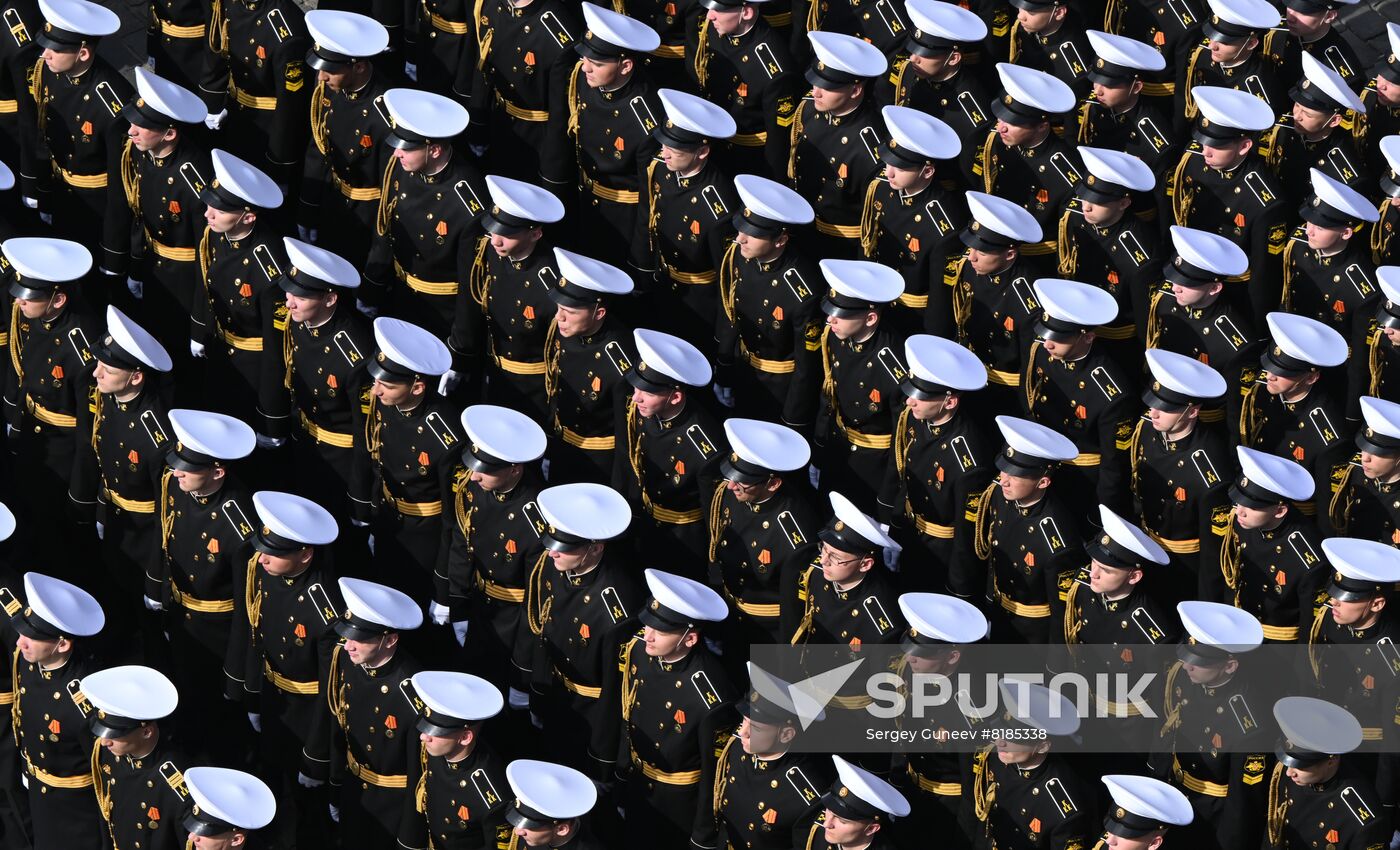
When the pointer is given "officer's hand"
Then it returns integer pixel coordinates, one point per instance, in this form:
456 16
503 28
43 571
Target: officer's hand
46 218
358 523
266 442
814 475
255 720
135 287
307 234
101 530
459 629
151 604
196 348
438 613
307 782
479 150
410 70
892 560
1395 840
108 271
544 468
450 379
214 120
369 541
725 395
517 698
32 203
334 811
368 309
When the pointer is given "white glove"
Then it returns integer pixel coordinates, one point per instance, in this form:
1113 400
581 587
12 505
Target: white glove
814 475
151 604
101 530
196 348
307 782
214 120
892 560
151 64
517 698
410 70
358 523
370 542
450 379
725 395
544 468
334 811
368 310
46 218
1395 840
438 613
459 629
110 272
135 287
479 150
32 203
266 442
255 720
307 234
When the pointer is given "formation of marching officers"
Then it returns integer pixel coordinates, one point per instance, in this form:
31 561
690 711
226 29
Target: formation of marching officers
416 411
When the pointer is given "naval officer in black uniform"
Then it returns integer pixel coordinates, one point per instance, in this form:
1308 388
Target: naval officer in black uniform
230 807
129 437
428 220
457 781
205 515
551 806
50 712
588 355
676 703
136 771
1321 798
286 611
674 449
1181 467
861 374
79 99
494 539
581 604
763 525
238 319
1216 747
367 740
861 808
836 137
940 469
413 442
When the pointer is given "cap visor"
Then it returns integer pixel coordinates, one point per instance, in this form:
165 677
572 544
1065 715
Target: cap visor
179 464
19 290
291 287
350 631
428 727
102 730
56 46
737 476
1010 467
495 226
